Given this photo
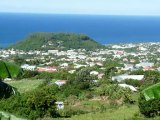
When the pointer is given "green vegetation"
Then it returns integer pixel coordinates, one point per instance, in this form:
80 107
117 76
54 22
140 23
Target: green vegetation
34 104
9 70
149 101
46 41
121 113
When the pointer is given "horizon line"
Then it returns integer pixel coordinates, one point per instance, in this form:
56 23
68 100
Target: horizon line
87 14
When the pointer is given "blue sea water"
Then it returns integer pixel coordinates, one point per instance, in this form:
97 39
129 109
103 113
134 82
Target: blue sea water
103 29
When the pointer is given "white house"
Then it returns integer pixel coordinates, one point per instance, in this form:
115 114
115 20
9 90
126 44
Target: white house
128 67
60 82
94 73
120 78
64 65
28 67
145 64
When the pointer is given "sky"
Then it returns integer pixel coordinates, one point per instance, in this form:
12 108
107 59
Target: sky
98 7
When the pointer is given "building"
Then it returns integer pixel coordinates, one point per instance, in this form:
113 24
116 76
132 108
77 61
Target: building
120 78
47 69
28 67
60 82
60 105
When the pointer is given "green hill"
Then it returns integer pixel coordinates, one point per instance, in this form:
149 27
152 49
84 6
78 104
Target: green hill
62 41
9 70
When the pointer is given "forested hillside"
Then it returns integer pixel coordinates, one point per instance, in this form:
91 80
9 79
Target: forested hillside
46 41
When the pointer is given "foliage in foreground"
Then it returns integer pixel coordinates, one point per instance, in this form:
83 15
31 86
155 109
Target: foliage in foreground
9 70
6 90
149 101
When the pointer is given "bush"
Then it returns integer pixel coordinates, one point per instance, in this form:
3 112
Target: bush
114 92
32 105
29 74
134 83
149 108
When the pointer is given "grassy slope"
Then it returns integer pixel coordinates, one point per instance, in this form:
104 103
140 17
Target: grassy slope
122 113
25 85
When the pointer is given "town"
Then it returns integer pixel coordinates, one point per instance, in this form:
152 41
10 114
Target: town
117 63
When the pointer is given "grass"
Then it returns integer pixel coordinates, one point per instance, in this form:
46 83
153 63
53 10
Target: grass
121 113
25 85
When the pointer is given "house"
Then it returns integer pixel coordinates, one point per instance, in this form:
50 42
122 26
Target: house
64 65
120 78
60 105
145 64
147 68
60 82
47 69
94 73
100 76
28 67
52 51
128 86
128 67
71 71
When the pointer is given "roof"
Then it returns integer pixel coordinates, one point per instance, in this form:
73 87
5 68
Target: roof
124 77
128 86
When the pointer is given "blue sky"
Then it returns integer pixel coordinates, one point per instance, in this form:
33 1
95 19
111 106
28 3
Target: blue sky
106 7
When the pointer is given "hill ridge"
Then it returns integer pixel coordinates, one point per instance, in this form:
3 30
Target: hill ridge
51 40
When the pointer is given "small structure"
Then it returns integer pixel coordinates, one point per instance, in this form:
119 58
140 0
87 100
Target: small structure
60 82
60 105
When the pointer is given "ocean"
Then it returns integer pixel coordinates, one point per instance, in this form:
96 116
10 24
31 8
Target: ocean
104 29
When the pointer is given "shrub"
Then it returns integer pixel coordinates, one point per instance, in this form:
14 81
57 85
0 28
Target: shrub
30 74
32 105
149 108
114 92
134 83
